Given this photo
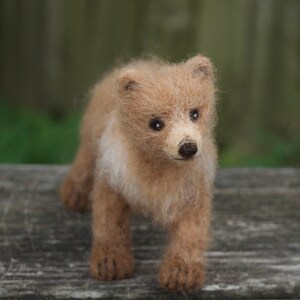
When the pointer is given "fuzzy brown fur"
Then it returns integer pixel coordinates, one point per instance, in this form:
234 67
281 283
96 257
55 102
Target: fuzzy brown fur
122 164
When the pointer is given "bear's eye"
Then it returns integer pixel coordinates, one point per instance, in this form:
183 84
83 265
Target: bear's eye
157 124
194 115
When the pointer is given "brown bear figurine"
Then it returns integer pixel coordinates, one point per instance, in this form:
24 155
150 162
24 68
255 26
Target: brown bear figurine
147 145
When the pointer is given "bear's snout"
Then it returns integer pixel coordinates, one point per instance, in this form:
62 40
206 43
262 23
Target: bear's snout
188 149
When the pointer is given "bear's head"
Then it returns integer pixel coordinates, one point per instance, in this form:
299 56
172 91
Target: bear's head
168 110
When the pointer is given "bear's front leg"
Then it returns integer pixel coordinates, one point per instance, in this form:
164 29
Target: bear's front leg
183 267
111 256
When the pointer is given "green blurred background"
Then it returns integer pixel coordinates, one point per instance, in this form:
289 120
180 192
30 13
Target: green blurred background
52 51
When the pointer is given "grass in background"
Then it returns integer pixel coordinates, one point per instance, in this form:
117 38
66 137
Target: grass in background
30 137
264 149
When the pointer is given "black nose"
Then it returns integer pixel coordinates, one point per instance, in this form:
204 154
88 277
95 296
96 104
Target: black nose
188 150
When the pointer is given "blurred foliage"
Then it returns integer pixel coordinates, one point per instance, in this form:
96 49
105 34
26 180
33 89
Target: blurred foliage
265 149
31 137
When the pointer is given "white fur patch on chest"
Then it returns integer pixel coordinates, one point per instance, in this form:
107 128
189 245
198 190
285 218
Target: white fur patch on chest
114 162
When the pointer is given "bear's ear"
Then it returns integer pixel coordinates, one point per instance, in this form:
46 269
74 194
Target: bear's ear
200 67
128 82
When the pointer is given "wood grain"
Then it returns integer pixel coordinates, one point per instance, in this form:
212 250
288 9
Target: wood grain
255 252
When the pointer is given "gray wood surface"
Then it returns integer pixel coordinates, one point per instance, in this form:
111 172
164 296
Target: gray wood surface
255 253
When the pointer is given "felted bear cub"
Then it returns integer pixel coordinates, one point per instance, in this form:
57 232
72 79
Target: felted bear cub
147 145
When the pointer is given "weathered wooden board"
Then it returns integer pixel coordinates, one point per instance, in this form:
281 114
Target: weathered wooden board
255 254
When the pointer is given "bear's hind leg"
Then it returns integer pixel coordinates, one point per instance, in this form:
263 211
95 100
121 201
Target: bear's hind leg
76 189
